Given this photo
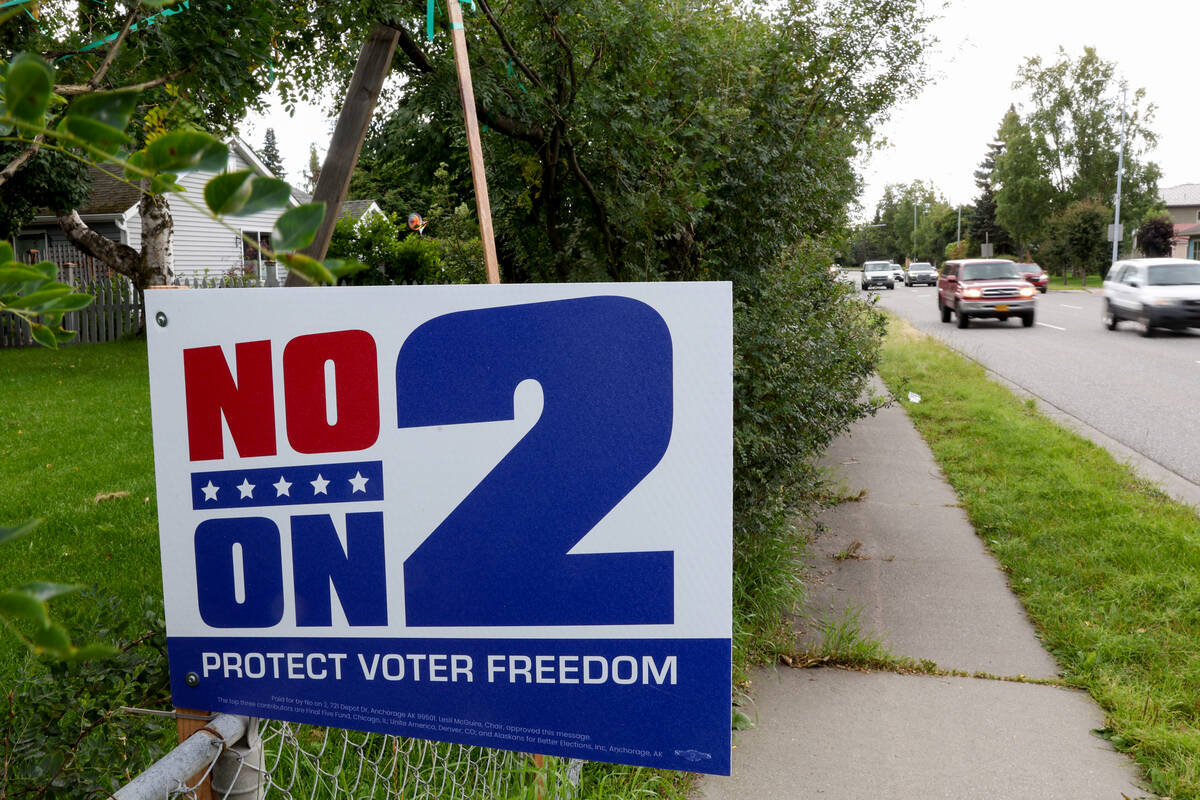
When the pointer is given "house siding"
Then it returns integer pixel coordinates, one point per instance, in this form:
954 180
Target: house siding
204 247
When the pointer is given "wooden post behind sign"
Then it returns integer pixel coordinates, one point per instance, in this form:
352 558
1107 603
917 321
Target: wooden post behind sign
374 61
185 727
474 146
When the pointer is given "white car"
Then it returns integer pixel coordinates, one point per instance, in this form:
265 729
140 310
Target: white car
1155 292
897 272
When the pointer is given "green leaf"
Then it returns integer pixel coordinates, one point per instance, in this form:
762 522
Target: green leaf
314 271
16 604
71 302
111 109
6 252
7 534
104 138
742 722
48 269
20 275
297 227
228 192
42 591
184 151
265 194
43 336
91 652
35 301
27 88
52 639
62 336
340 268
161 184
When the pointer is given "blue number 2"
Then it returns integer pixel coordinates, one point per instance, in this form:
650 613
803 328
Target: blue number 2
500 558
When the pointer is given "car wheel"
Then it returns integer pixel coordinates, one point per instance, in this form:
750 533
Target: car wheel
1110 317
1027 320
1042 289
944 311
962 320
1147 328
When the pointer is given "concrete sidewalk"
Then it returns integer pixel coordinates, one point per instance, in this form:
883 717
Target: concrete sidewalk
921 582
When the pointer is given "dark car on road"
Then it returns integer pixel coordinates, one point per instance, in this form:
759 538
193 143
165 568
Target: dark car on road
877 273
921 272
978 287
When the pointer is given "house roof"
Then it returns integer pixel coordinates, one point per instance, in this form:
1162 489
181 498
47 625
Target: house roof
1187 229
355 209
1185 194
109 195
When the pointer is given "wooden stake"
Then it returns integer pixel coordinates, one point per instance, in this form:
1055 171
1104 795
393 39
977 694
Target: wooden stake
474 146
374 61
184 728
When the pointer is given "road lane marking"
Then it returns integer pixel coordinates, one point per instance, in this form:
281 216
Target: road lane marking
1048 325
1077 308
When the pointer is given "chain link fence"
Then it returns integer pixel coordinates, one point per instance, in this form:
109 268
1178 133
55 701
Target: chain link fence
235 758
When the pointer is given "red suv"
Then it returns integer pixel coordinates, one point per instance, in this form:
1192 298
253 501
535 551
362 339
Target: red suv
983 287
1034 274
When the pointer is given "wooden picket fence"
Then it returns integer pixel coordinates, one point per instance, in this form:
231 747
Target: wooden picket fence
116 311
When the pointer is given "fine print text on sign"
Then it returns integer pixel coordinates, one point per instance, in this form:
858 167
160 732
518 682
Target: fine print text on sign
491 515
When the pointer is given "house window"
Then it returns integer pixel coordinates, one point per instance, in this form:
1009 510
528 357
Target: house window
253 263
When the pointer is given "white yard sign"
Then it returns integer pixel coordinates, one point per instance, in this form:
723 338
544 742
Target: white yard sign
493 515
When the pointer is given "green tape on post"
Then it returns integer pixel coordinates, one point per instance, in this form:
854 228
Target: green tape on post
430 5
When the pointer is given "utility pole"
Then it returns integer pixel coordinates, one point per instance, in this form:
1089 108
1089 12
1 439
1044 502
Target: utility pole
1120 170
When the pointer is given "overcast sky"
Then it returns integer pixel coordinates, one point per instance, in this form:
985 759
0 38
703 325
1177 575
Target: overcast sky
942 135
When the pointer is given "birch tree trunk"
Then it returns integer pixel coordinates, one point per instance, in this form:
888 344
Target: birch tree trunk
158 228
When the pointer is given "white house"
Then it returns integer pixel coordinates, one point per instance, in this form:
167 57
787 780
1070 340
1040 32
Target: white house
202 246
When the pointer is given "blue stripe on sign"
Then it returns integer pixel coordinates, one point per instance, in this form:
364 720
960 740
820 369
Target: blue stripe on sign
650 702
351 482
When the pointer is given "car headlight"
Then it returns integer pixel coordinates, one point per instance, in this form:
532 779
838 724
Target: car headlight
1026 291
1165 301
972 293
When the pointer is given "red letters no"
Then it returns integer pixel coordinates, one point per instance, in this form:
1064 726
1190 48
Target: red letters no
356 385
248 405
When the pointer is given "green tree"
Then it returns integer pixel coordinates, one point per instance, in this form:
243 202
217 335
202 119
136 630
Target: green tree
313 174
1025 196
681 140
194 64
1075 240
1075 116
982 224
270 155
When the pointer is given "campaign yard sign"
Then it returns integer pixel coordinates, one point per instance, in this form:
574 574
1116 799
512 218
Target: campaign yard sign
491 515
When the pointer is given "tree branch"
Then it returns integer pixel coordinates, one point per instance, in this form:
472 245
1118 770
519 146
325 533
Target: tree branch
507 45
71 90
21 159
415 54
111 55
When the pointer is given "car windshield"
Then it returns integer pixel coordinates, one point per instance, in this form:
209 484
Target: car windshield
920 265
989 271
1174 275
876 266
1029 267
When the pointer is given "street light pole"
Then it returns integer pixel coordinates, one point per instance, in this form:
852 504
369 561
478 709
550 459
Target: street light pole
1120 171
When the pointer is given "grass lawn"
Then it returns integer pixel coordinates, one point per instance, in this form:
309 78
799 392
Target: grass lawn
1107 566
75 426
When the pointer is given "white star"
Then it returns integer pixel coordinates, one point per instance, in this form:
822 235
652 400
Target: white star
319 485
246 488
282 487
359 482
210 492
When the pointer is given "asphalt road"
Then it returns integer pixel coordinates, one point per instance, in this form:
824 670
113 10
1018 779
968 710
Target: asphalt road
1139 391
